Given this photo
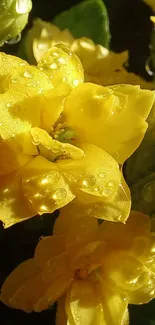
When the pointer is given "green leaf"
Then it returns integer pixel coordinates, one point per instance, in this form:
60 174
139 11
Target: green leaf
89 19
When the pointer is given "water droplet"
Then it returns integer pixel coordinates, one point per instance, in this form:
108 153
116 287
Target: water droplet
8 105
104 191
37 195
43 208
55 54
102 175
53 66
55 150
42 46
44 181
14 40
22 63
27 74
60 194
23 6
62 60
75 83
40 90
111 183
14 81
148 67
89 181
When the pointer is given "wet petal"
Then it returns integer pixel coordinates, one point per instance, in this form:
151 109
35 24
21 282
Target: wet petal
136 228
11 291
82 230
83 305
67 215
61 317
13 205
62 66
96 174
114 305
119 116
116 209
55 291
13 69
131 277
77 229
44 186
49 247
52 149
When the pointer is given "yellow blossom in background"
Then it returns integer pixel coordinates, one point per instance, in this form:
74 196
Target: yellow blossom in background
150 3
101 66
152 18
64 140
92 271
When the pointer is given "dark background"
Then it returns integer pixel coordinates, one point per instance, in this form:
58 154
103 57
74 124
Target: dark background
131 29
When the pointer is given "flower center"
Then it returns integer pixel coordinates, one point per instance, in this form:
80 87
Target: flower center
62 133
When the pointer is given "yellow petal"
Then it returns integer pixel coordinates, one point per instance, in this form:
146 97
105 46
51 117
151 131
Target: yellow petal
137 226
118 116
54 292
49 247
51 149
150 3
62 66
114 305
27 289
13 205
61 317
152 18
115 209
67 215
83 306
44 186
11 291
17 75
81 231
130 276
96 174
25 100
11 158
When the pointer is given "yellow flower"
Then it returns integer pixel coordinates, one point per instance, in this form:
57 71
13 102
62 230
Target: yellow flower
63 139
100 65
152 18
150 3
93 271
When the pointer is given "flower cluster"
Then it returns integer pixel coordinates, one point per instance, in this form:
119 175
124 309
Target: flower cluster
64 140
93 270
101 66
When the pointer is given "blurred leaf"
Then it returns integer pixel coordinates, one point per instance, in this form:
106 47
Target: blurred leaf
88 18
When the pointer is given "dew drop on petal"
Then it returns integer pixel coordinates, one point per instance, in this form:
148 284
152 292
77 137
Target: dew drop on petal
60 194
14 81
14 40
89 181
27 74
43 208
53 66
23 6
